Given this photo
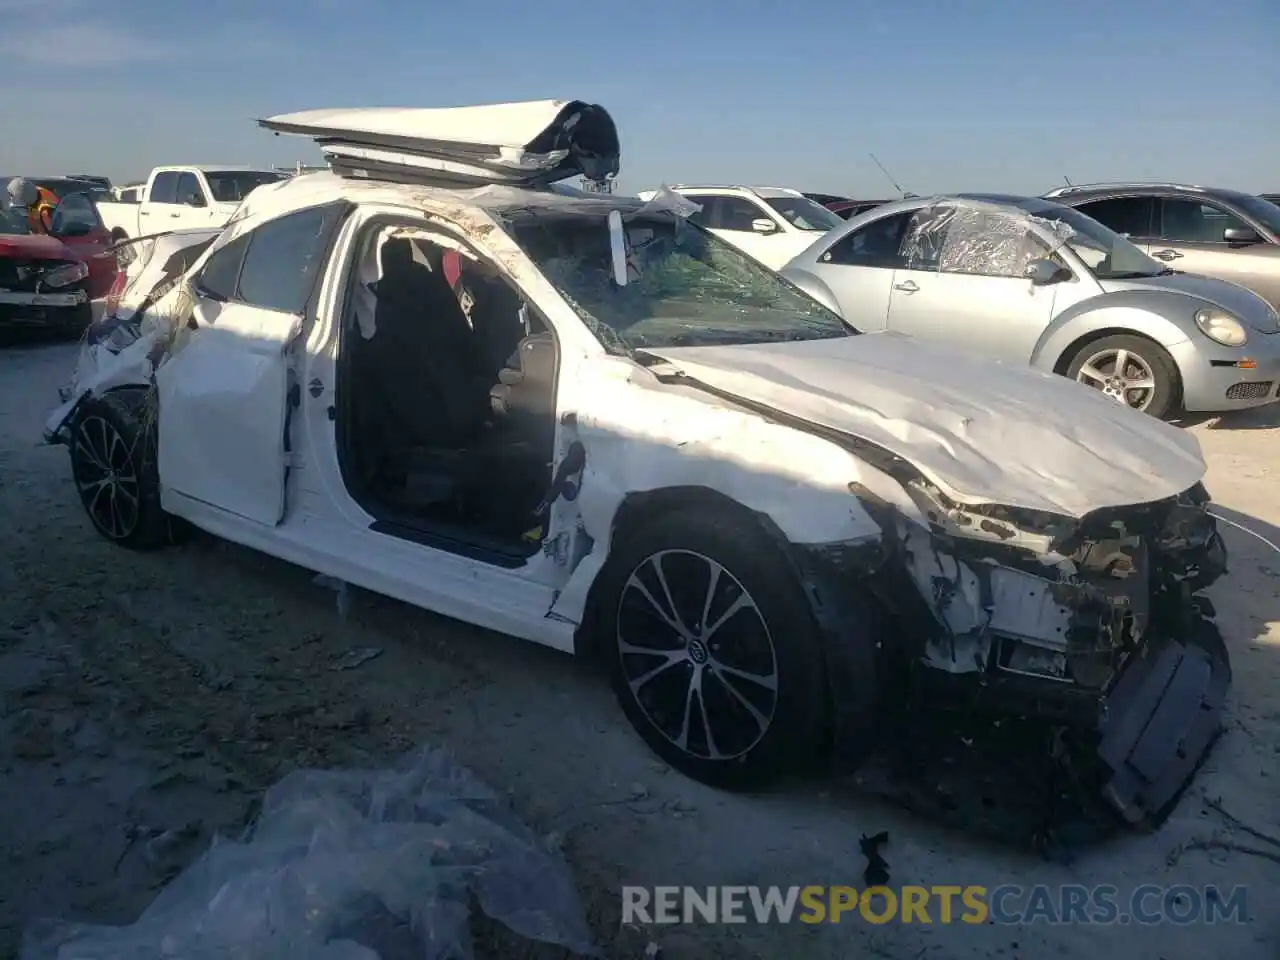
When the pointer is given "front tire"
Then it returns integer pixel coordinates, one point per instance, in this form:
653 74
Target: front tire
715 656
1130 369
113 464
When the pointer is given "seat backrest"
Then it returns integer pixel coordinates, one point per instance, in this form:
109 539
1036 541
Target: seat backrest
424 351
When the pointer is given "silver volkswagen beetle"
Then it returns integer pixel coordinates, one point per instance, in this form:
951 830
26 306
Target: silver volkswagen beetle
1027 280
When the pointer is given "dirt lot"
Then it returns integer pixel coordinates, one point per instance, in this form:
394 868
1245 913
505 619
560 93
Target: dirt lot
149 695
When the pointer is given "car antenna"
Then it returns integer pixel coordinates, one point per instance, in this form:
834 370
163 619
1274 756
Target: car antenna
1069 183
897 186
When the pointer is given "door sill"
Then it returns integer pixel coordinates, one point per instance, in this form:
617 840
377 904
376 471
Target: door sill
455 540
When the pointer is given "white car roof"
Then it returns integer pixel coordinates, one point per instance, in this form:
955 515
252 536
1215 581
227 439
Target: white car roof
215 168
533 142
765 193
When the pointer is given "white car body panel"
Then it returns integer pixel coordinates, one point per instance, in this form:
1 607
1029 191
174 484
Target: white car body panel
501 143
233 381
984 433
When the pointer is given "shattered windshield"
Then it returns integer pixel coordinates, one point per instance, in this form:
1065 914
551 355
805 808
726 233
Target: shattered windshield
1108 255
232 186
684 286
803 214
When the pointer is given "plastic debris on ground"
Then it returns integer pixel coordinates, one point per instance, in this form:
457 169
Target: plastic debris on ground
341 589
350 865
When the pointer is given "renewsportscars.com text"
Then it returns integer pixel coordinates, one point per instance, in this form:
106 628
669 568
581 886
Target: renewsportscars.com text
1148 904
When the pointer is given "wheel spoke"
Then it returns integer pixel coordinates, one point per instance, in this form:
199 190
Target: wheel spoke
656 563
742 602
713 581
1092 372
104 443
116 445
1122 362
88 486
123 491
117 520
1146 383
669 659
671 619
695 687
90 454
97 496
768 681
713 752
761 720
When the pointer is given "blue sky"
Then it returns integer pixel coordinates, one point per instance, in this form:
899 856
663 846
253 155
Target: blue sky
949 94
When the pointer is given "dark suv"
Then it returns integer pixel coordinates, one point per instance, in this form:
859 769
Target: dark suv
1218 233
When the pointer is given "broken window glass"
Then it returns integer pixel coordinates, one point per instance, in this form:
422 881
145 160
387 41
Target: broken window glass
685 287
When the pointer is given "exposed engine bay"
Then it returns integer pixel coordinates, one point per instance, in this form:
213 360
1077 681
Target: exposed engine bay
1052 598
1087 641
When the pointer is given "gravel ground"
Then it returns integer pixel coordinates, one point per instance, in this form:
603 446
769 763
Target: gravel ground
156 695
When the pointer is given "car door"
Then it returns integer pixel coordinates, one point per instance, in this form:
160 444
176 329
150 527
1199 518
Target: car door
858 270
157 212
731 219
191 211
1191 238
961 282
1133 217
227 394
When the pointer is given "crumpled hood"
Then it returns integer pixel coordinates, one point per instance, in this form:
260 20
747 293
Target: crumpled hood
1239 301
982 431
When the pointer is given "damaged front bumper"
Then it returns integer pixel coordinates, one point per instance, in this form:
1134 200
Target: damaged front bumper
1097 627
1160 720
20 308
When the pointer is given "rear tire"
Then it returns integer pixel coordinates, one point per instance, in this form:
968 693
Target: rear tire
732 699
114 466
1111 364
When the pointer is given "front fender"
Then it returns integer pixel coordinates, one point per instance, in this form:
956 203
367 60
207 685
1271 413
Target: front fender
812 285
1153 314
641 435
132 366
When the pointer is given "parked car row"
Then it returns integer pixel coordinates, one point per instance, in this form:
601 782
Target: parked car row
1161 296
589 421
1035 282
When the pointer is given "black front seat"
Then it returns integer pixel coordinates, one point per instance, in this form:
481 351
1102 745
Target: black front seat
424 354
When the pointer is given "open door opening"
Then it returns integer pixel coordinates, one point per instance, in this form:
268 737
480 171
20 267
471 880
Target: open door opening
446 396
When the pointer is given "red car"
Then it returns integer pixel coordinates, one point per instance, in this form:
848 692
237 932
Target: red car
50 280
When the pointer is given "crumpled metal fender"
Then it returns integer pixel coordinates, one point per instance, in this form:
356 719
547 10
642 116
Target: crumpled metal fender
1150 313
132 366
642 436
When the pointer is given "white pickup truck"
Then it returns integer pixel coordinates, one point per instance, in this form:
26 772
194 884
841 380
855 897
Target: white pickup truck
184 198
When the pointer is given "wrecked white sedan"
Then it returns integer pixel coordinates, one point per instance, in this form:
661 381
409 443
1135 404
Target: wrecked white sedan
585 421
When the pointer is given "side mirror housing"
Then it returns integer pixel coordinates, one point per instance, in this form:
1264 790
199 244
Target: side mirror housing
1241 235
195 200
1042 272
764 225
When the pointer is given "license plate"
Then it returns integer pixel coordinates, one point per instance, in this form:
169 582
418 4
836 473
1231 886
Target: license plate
44 299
